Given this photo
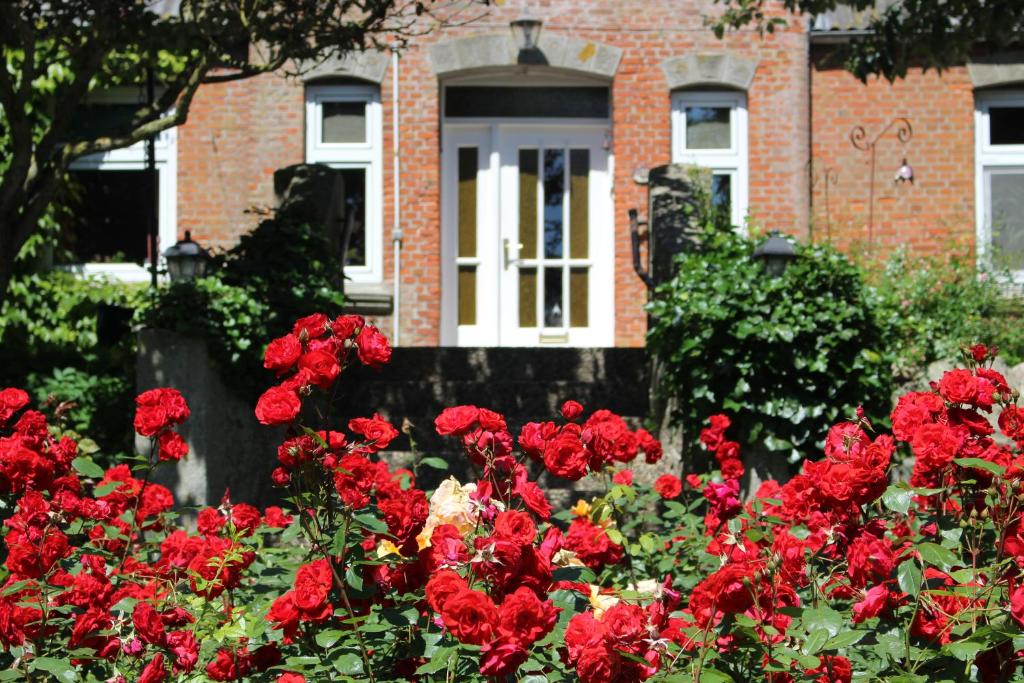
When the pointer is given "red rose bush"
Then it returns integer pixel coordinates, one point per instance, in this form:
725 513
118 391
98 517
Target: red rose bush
848 570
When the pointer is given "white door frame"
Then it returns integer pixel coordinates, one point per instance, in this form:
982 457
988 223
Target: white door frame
498 142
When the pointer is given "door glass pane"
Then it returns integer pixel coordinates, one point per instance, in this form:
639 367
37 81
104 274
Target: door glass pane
579 296
1006 213
579 203
467 295
527 297
554 196
354 219
1006 125
528 202
721 191
343 122
553 304
467 200
111 210
707 128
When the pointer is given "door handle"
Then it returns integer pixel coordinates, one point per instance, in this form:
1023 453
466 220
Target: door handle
506 245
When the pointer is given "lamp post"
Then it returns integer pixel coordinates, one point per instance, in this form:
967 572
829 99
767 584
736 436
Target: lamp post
526 32
186 260
859 139
776 253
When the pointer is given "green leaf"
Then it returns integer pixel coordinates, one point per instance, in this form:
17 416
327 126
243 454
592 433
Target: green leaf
371 523
349 664
908 575
823 618
845 639
61 668
937 556
434 463
614 536
898 499
87 468
965 650
438 661
815 641
980 464
327 639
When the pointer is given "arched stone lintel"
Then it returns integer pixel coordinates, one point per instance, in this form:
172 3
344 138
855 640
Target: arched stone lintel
710 69
370 65
499 50
997 70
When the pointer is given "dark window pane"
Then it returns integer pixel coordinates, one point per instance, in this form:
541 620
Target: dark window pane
553 305
344 122
579 209
554 199
108 221
528 203
354 215
467 200
1006 214
467 295
707 128
99 120
528 297
721 192
579 297
552 102
1006 125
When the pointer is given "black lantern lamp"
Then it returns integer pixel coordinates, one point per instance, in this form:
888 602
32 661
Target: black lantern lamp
186 260
526 32
776 253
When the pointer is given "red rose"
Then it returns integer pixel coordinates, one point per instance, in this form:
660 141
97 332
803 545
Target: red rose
501 657
651 447
727 450
441 586
282 354
668 486
373 347
583 631
873 603
1011 422
565 456
154 671
278 406
377 431
571 410
524 617
289 677
624 624
1017 605
172 446
623 477
323 368
313 583
149 420
224 667
11 401
245 517
833 669
457 420
534 499
148 624
345 326
731 469
210 521
533 437
470 616
311 327
597 665
275 518
516 527
958 386
182 644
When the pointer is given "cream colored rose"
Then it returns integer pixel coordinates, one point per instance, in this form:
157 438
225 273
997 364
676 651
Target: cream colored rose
450 504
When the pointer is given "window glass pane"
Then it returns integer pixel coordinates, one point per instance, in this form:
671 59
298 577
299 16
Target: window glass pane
528 202
1006 125
1006 213
111 212
467 200
98 120
343 122
554 199
579 209
353 218
707 128
550 102
527 297
467 295
553 304
721 191
579 296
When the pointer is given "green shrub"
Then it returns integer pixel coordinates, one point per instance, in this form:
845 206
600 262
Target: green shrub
786 357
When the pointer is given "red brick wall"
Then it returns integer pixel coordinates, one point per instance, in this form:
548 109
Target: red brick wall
238 134
929 216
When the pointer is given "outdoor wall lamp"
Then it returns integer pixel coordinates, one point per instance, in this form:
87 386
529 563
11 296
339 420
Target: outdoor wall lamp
186 260
776 253
905 174
526 32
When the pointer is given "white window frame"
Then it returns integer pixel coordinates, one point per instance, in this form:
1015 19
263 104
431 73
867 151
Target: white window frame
733 161
133 158
364 155
989 159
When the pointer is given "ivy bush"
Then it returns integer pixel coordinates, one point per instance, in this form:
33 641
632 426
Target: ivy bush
786 356
838 574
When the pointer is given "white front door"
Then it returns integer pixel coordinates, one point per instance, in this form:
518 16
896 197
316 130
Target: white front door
528 235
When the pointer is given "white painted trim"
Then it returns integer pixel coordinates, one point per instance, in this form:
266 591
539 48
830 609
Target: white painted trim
988 159
366 155
733 161
134 159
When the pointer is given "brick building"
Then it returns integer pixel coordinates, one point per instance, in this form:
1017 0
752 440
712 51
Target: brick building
516 168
